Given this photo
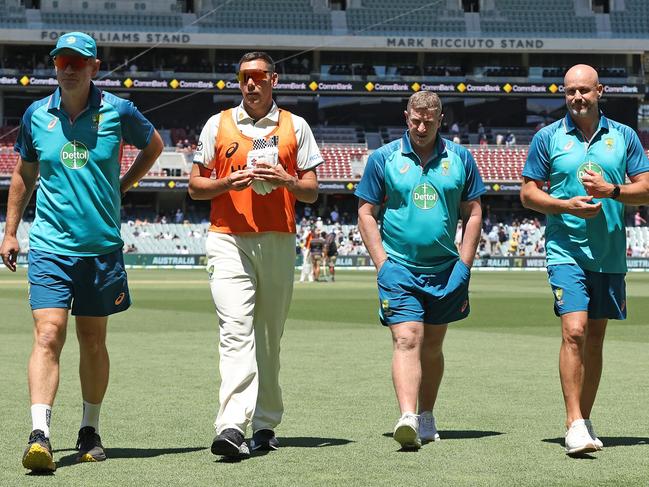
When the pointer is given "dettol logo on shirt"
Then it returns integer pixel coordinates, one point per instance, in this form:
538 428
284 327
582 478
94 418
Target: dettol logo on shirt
424 196
74 155
590 166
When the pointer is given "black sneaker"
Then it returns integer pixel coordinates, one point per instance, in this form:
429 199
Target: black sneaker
230 443
264 440
89 446
38 454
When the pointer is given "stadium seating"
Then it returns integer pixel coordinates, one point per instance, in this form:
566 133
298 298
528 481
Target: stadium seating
338 161
116 21
633 21
13 14
294 16
499 164
387 17
556 18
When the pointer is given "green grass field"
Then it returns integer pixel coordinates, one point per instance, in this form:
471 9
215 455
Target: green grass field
500 410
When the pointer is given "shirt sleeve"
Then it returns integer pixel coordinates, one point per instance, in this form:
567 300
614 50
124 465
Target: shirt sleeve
371 187
24 144
537 165
473 186
308 152
636 158
136 128
205 150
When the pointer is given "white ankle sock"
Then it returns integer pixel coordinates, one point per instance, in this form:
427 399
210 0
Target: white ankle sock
41 415
91 415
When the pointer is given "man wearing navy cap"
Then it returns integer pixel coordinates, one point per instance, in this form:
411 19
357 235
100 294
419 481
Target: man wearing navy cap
72 138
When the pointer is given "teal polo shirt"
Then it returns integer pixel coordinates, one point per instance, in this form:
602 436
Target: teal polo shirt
560 154
420 203
78 199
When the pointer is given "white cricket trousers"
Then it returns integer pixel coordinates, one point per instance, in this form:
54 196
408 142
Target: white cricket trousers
251 278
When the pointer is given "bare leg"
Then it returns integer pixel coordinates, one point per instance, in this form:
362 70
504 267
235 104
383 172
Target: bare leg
432 365
406 363
592 364
50 325
94 363
571 362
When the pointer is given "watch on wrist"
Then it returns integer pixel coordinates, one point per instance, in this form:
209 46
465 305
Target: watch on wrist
616 192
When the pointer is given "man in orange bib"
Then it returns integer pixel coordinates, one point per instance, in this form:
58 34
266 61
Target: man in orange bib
264 159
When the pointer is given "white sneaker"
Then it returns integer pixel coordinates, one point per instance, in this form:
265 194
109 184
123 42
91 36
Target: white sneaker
406 432
578 440
427 429
591 432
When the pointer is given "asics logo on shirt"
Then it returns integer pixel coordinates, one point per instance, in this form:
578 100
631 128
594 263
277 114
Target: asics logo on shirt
231 149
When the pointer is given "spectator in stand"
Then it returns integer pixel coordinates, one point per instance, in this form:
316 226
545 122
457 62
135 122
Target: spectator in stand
334 216
503 239
500 139
493 240
179 216
638 221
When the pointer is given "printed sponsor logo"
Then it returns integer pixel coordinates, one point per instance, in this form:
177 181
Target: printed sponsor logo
405 168
424 196
569 145
120 299
589 166
74 155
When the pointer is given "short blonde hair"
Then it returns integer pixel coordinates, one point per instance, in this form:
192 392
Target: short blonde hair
424 100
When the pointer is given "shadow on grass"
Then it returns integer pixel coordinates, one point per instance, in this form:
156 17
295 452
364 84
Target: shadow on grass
68 460
460 434
311 441
610 441
292 442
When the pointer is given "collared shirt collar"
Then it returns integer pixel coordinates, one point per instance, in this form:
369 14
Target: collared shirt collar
94 98
406 146
242 115
569 124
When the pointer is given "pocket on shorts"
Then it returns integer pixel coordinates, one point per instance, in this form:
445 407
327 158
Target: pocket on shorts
459 277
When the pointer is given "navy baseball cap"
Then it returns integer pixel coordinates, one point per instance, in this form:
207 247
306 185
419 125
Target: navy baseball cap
77 41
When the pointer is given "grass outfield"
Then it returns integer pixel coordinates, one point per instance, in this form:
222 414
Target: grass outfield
500 409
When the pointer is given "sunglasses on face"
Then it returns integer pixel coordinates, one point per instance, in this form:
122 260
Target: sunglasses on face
257 76
77 62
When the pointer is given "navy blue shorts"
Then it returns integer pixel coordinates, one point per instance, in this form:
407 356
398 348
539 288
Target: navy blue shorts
434 299
90 286
602 294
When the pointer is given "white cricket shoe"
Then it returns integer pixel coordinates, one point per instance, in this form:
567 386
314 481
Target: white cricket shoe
427 429
406 432
578 440
591 432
